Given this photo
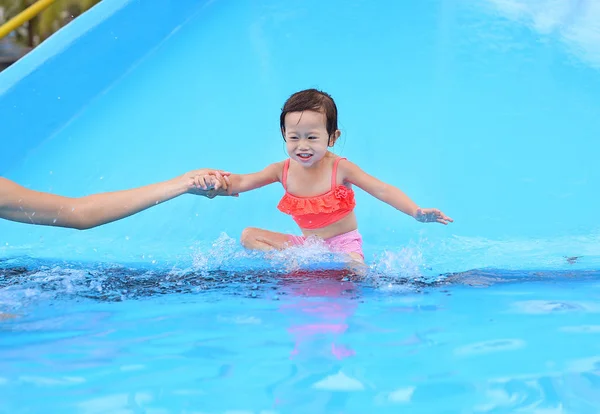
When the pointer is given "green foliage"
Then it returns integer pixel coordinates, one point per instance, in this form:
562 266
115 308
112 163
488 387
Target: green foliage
47 22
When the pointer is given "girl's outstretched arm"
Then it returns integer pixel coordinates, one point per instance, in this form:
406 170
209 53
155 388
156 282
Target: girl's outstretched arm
239 183
389 194
20 204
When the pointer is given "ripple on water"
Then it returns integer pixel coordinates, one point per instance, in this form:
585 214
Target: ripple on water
487 347
536 307
581 329
339 382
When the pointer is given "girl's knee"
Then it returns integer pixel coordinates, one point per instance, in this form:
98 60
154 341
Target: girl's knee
248 236
356 257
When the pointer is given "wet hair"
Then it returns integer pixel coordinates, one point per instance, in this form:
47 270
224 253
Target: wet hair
311 100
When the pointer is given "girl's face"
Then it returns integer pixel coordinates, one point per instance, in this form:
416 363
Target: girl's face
306 137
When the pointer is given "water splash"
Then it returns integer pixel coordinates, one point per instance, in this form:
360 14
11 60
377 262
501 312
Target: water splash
226 253
406 262
225 265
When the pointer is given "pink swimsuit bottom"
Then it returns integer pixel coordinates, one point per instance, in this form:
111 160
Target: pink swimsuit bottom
350 242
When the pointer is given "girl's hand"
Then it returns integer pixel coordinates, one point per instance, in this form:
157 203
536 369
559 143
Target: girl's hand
206 182
209 183
432 215
215 184
218 185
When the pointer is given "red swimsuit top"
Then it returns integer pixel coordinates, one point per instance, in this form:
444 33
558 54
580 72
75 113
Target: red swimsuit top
318 211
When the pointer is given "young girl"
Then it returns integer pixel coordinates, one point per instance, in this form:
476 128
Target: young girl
318 184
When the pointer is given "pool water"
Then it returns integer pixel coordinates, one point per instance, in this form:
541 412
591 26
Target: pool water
92 339
487 110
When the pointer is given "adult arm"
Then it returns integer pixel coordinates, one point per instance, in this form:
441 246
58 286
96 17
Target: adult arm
23 205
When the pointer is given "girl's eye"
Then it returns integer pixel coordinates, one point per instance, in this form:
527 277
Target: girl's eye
292 137
313 137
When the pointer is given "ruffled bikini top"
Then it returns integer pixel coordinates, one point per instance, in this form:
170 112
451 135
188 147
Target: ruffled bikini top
319 211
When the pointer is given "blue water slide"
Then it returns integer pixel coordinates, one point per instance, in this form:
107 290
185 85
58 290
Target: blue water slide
487 110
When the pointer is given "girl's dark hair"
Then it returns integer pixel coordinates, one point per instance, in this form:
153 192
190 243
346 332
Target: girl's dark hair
311 100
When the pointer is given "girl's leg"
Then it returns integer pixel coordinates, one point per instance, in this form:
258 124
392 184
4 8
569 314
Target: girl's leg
357 265
357 257
259 239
